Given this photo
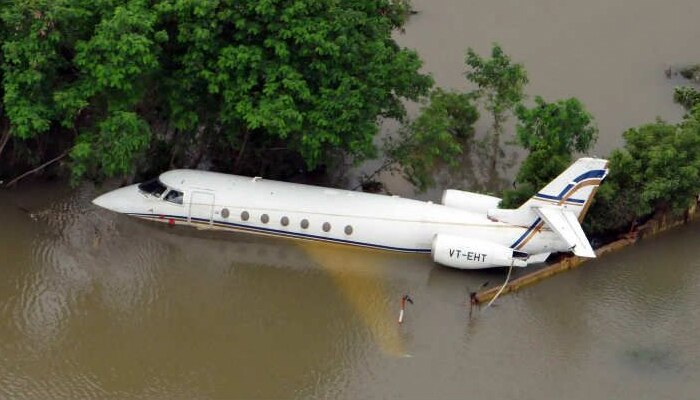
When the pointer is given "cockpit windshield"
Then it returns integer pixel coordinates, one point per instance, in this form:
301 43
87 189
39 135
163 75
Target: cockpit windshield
174 196
153 187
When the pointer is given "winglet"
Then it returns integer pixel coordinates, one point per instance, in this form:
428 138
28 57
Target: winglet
566 225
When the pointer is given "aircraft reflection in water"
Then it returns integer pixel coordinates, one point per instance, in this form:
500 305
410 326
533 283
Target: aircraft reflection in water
466 231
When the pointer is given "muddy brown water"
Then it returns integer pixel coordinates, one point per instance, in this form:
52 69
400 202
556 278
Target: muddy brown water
98 305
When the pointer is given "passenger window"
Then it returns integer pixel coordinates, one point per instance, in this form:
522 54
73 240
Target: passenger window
174 196
153 187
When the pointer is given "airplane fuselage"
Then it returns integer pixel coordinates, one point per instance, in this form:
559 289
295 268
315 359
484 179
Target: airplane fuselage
228 202
467 231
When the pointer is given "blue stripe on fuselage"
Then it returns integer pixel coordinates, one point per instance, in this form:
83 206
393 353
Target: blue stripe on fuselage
277 232
524 235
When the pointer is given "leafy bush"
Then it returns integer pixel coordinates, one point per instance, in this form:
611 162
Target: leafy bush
657 170
441 133
551 132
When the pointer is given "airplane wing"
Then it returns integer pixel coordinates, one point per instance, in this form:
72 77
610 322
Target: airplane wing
566 224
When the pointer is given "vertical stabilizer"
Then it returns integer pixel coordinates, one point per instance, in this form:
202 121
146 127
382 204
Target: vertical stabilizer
573 189
562 204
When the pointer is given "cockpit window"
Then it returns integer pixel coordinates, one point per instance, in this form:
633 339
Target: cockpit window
174 196
153 187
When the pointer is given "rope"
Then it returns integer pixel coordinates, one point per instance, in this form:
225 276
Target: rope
502 287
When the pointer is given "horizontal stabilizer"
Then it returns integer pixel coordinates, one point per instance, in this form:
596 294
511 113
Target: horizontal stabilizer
566 225
538 258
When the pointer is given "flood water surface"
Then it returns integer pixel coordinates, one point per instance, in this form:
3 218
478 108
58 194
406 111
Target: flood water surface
99 305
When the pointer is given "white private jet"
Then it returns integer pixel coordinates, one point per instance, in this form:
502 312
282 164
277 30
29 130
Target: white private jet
466 231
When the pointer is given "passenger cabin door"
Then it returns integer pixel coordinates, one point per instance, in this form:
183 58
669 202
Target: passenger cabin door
201 208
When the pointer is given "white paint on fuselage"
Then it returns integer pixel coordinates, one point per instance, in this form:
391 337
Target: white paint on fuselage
380 221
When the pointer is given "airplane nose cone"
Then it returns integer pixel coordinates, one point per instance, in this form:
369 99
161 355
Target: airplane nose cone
116 200
107 200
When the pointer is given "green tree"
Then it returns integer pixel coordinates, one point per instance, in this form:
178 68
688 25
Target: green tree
315 74
441 133
224 78
691 72
4 122
686 96
501 83
657 170
72 66
551 132
616 203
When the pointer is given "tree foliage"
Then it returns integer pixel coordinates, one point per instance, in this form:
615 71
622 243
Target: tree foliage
563 127
134 76
551 132
691 72
112 145
441 133
657 170
686 96
501 84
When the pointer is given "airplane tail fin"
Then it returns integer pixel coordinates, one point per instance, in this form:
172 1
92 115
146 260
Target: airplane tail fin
573 189
561 205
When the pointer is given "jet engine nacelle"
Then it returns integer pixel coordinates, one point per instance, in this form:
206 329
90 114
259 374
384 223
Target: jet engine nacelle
469 201
466 253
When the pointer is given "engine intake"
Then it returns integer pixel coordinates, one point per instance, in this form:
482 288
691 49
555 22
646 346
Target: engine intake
466 253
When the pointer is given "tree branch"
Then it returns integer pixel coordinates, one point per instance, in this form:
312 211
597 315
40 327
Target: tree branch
237 163
5 136
388 162
37 169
